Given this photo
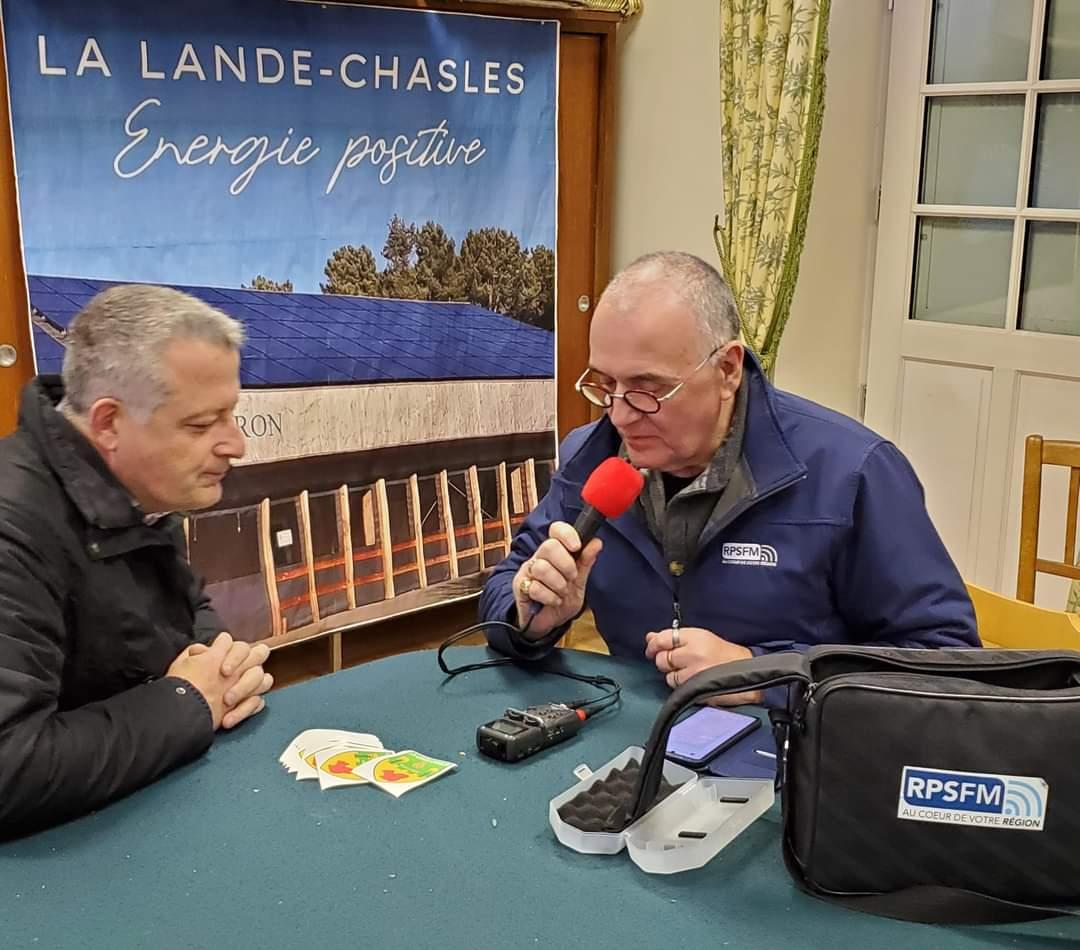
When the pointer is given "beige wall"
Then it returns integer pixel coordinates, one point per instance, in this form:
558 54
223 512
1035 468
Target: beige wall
667 152
667 176
821 355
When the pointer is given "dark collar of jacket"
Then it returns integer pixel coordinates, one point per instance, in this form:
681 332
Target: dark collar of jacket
768 462
766 451
118 524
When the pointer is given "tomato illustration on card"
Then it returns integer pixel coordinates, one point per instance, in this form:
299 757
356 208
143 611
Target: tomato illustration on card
301 755
338 765
398 773
344 764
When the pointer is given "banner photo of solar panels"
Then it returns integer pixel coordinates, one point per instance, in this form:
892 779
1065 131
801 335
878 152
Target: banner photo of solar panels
372 192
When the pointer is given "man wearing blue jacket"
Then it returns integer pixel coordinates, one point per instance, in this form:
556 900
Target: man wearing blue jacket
767 522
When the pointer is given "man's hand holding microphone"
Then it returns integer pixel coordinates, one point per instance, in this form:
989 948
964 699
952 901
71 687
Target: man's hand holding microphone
549 588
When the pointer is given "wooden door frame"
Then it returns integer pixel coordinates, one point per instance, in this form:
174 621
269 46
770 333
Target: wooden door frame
14 299
1010 357
13 290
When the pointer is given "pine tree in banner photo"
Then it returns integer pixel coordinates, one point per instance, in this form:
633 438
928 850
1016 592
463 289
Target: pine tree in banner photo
265 283
538 291
399 275
490 269
438 270
351 270
493 264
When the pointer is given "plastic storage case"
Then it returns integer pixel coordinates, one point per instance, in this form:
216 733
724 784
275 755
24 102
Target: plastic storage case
653 841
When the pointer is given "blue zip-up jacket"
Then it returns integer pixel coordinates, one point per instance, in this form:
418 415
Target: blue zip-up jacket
823 537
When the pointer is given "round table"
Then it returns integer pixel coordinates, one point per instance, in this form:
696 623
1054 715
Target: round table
231 851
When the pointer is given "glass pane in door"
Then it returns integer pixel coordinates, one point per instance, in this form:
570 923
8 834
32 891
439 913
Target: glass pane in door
1061 52
962 270
1050 294
1055 175
971 150
980 40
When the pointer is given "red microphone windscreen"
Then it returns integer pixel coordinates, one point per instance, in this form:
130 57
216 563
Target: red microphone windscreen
612 487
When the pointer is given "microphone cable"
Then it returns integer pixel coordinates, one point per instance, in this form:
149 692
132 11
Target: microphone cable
612 689
609 491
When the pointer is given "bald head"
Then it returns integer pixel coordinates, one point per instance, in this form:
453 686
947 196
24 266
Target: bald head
666 327
697 285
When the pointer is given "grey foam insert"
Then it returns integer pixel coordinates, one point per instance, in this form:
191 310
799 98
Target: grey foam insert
606 805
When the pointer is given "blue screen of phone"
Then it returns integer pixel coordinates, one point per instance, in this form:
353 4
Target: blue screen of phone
705 730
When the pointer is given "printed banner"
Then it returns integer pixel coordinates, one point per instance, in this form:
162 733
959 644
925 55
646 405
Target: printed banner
372 192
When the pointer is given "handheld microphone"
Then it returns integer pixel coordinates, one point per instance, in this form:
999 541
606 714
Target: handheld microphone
609 491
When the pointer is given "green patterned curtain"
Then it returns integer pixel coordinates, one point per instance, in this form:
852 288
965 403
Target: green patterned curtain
772 88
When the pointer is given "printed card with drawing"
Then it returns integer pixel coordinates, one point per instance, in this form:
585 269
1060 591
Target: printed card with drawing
339 765
311 760
361 742
299 756
308 737
400 772
293 756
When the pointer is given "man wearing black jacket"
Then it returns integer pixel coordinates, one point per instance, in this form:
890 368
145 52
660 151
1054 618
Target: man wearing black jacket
114 668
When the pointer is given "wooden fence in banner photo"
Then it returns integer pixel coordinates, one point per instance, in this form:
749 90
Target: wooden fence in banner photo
317 563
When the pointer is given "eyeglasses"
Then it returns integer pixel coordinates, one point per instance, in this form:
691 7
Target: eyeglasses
637 399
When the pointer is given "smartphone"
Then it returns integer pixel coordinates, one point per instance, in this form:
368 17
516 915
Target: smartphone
707 732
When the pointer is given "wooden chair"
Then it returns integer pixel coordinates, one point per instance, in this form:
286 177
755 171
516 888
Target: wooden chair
583 635
1015 624
1037 453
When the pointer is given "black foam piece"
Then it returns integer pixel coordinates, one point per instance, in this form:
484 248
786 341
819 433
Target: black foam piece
606 805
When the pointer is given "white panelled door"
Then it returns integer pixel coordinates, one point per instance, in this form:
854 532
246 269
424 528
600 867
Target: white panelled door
975 332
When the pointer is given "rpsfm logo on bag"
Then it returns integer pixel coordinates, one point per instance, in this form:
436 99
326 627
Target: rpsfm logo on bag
977 799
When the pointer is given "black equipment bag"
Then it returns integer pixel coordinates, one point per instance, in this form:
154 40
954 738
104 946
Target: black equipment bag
940 786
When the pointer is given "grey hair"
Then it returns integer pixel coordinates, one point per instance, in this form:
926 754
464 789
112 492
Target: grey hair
700 286
116 343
